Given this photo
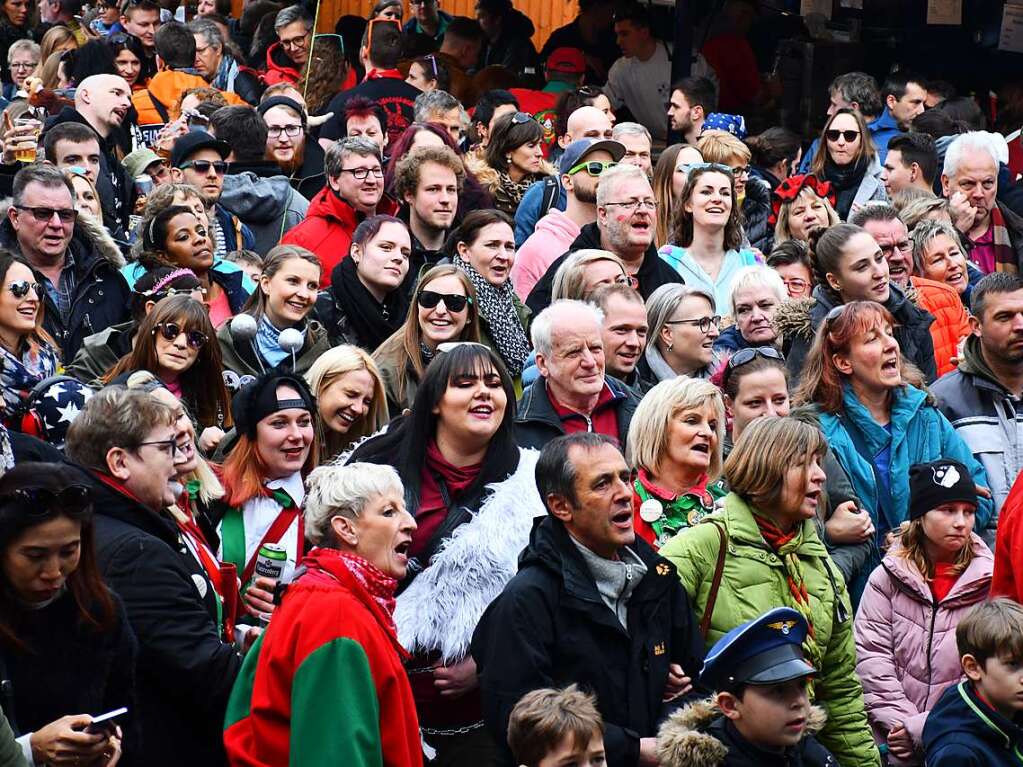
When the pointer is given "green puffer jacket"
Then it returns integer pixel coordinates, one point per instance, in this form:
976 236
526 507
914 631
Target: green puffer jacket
753 581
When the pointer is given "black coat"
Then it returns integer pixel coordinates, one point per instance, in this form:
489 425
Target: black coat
756 209
549 628
185 670
741 753
653 273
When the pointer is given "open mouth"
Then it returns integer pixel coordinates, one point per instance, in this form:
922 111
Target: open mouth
880 287
813 498
890 366
347 417
716 209
701 447
293 452
441 323
28 311
896 269
402 549
795 724
482 411
622 519
298 306
187 448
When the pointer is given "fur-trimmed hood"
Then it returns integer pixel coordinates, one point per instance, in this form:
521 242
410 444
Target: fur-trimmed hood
683 738
801 317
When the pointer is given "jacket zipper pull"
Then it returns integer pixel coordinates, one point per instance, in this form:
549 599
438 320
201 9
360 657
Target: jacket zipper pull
628 572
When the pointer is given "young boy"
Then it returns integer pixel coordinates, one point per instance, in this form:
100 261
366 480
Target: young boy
249 260
761 714
556 728
975 722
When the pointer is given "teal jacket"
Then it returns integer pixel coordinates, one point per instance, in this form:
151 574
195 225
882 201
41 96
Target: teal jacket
919 433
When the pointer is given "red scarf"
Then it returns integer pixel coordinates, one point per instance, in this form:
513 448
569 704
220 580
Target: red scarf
379 586
776 539
432 508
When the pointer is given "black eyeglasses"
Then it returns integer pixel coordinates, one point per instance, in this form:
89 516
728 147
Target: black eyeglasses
428 299
43 215
21 288
203 166
746 356
361 174
848 135
73 500
291 131
703 323
168 446
171 330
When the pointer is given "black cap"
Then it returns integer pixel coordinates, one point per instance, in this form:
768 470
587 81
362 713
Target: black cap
255 401
282 101
939 482
192 142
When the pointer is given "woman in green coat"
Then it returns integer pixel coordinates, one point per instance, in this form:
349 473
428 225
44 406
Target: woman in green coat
762 551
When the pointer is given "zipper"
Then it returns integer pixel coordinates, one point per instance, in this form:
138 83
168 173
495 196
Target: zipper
930 647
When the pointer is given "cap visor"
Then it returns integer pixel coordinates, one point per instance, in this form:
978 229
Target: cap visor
783 672
615 148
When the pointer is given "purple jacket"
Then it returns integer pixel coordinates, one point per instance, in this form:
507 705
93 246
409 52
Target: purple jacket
906 644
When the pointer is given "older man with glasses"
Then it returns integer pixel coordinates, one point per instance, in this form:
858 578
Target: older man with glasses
286 58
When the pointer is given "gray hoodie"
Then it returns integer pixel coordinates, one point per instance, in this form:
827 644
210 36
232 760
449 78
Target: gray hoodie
268 206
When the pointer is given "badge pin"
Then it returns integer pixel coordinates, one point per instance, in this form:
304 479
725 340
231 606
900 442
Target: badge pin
651 510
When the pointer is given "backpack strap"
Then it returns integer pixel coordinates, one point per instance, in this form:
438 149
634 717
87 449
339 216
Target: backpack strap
715 582
550 195
159 107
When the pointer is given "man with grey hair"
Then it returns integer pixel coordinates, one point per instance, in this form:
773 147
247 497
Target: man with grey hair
638 146
573 393
286 58
969 180
217 66
441 107
626 211
354 191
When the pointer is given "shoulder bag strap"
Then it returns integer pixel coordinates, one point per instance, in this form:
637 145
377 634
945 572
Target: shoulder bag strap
159 107
715 583
457 514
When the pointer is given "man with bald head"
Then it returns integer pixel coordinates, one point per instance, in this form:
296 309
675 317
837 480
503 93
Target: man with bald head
584 122
102 103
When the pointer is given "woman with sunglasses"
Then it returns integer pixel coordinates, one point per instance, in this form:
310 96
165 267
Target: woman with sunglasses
67 652
849 266
484 248
799 205
847 158
288 144
443 310
283 300
877 416
368 297
675 442
512 161
473 494
175 343
706 237
28 354
350 399
429 73
683 327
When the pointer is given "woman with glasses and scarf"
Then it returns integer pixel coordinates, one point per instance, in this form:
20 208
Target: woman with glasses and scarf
484 248
67 652
706 236
473 494
683 327
512 161
444 310
847 158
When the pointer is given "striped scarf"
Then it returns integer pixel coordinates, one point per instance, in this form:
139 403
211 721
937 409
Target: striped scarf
1005 254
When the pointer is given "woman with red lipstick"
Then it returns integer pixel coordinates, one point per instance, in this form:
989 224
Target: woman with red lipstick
675 442
512 161
484 248
935 571
473 494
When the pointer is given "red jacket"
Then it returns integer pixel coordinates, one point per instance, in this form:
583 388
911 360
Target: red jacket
279 67
325 683
1005 582
951 323
328 228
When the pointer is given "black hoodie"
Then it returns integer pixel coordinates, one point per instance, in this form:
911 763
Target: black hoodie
514 50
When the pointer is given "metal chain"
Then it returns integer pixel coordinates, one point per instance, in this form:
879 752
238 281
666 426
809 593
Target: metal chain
456 731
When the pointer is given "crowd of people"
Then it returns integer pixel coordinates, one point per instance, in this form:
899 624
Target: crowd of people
404 395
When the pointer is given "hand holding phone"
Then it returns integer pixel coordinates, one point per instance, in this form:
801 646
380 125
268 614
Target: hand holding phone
106 724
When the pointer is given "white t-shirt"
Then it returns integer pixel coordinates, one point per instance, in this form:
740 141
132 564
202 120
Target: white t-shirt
645 88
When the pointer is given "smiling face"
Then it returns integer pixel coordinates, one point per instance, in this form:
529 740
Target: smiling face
187 459
806 213
626 231
149 472
600 515
291 292
440 324
690 440
284 438
764 392
711 201
691 348
874 361
295 39
17 315
344 403
893 239
863 271
128 66
188 244
384 532
37 563
362 194
842 151
943 261
282 147
383 261
492 254
797 278
624 334
754 314
142 23
472 408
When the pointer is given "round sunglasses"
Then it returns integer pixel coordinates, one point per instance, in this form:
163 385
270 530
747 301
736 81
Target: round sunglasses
171 330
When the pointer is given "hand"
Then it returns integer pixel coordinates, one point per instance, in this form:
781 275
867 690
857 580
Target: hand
17 138
963 214
456 680
64 742
648 752
848 524
678 683
889 539
900 743
210 438
259 596
112 753
169 134
960 350
982 491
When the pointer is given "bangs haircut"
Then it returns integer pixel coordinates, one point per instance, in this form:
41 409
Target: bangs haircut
682 227
765 452
509 136
992 630
542 719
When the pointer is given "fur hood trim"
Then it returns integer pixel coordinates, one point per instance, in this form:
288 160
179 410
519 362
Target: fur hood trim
682 738
792 318
440 609
490 178
99 238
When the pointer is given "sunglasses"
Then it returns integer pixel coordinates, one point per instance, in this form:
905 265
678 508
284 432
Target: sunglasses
592 167
521 118
171 330
428 299
44 215
833 315
203 166
746 356
21 288
73 500
848 135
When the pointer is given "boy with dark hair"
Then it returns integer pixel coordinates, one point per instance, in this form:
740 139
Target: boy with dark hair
760 715
552 728
175 55
974 722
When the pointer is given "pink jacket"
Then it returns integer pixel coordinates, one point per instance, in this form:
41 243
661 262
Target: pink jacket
906 645
551 239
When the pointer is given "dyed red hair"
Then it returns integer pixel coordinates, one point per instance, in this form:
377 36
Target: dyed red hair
243 472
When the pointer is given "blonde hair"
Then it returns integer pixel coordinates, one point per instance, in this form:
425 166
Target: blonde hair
782 232
569 280
648 432
344 491
765 452
330 367
721 146
914 549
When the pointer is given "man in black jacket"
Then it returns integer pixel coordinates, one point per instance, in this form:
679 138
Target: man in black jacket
125 441
626 218
592 604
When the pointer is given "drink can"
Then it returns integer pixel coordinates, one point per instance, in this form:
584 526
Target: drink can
271 560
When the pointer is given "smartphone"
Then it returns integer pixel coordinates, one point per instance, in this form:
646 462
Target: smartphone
105 724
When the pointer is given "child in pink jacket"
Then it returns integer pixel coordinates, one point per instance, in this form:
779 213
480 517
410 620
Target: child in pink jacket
905 628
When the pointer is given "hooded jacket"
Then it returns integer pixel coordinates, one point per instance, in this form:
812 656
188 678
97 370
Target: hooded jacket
100 352
328 227
279 67
550 627
700 736
905 639
987 417
964 731
797 321
756 209
753 578
951 320
268 206
537 422
552 235
101 295
653 273
166 88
